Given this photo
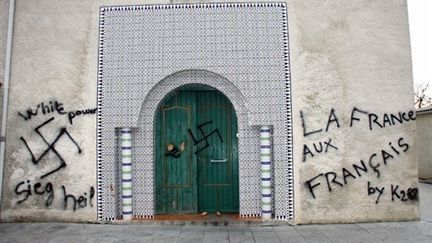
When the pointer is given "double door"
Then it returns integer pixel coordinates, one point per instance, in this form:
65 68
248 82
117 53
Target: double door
196 154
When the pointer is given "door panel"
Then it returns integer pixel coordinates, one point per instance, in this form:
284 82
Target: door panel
175 161
196 154
217 167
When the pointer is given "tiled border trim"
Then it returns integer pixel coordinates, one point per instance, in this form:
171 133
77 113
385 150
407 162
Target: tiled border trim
290 199
193 6
99 191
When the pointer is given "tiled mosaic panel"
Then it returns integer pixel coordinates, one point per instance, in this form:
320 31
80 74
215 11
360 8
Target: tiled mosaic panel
240 49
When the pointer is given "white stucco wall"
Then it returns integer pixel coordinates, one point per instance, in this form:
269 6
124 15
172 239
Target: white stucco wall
344 54
54 58
424 144
4 9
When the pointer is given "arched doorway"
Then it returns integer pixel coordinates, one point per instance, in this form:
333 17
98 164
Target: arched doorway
196 152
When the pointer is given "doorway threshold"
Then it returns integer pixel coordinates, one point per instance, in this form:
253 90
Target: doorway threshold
210 219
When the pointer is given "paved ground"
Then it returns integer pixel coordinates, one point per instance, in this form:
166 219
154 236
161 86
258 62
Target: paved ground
374 232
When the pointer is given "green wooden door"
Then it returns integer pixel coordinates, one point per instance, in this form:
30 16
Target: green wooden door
217 164
196 154
176 188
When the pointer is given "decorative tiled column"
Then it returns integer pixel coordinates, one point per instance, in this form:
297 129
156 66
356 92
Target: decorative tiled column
126 152
266 189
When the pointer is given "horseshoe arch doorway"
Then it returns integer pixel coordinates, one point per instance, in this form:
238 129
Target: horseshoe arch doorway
196 152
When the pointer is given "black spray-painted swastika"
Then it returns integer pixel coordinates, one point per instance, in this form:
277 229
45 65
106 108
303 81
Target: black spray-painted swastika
204 136
51 147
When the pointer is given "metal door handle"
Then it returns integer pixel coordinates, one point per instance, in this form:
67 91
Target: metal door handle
218 160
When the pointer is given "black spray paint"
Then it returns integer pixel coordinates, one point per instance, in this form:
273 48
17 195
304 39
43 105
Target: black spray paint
80 201
332 118
43 109
381 121
318 148
50 147
25 189
54 107
375 160
73 114
373 190
204 136
374 121
396 193
403 195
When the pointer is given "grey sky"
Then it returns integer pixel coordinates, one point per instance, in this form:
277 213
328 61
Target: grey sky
420 21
